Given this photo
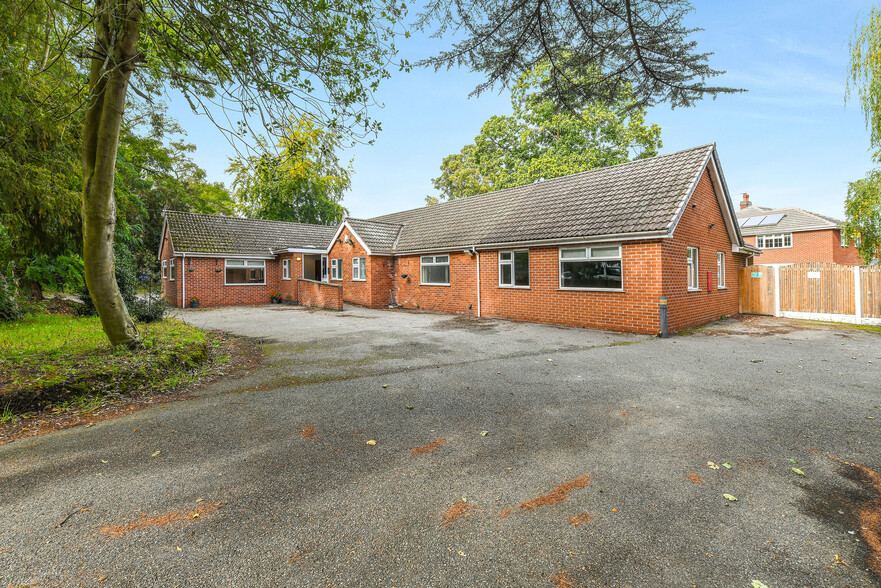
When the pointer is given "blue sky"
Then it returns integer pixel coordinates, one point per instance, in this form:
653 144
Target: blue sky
788 141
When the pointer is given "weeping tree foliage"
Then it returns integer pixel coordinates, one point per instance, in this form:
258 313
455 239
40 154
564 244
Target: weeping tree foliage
543 139
303 183
241 62
863 204
865 74
643 43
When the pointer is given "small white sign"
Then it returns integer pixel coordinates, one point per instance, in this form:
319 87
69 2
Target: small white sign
813 275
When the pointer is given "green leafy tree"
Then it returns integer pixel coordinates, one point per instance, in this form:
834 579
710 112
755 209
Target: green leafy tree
543 139
260 61
863 211
303 183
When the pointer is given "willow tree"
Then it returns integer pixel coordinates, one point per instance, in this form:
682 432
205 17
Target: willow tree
253 61
863 204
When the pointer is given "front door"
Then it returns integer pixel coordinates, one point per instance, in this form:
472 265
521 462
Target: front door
757 290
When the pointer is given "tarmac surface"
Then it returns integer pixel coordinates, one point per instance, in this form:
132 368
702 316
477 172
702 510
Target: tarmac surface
505 453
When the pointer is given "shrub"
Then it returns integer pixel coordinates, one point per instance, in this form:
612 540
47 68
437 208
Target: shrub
146 309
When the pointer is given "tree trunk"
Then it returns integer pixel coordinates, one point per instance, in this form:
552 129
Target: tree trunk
114 55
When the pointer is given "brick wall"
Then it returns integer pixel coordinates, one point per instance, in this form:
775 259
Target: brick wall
459 297
288 288
635 309
320 294
823 246
691 308
375 291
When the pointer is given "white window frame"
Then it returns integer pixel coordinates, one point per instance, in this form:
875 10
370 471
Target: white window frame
589 256
336 269
325 274
423 263
720 271
172 272
785 240
285 269
164 269
844 240
244 263
359 268
510 262
692 268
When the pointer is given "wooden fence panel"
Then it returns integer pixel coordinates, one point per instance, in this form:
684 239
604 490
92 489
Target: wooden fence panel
824 288
870 280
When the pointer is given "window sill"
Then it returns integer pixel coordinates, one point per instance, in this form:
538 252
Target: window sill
359 280
590 289
722 288
505 287
424 284
247 284
336 279
288 279
694 290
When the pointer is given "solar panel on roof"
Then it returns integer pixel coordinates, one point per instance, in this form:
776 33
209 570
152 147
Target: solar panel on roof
771 219
753 221
741 221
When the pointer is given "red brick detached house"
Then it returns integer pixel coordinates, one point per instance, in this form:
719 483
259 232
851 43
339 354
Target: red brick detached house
793 235
595 249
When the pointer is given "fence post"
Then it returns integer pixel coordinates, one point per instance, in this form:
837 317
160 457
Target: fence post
858 292
776 271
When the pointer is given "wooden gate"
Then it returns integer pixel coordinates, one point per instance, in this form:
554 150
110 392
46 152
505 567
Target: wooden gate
818 288
757 290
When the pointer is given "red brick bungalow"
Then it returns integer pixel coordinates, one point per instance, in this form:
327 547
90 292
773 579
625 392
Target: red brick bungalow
793 235
595 249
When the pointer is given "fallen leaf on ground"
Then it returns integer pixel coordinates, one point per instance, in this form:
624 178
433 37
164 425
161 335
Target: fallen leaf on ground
712 465
729 497
758 584
726 465
155 453
793 460
798 471
484 433
372 442
410 407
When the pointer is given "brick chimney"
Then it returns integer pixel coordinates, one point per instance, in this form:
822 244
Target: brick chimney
745 203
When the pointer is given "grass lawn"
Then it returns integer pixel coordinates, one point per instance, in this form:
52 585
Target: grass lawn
65 362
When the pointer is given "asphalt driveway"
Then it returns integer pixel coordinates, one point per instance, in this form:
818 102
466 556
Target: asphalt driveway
506 454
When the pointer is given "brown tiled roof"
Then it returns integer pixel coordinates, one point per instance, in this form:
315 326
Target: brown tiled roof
380 237
794 220
206 233
645 195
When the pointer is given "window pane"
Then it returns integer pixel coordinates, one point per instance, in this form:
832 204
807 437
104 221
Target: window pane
505 274
442 259
573 253
255 263
505 256
427 259
591 274
238 262
521 268
236 275
605 251
436 274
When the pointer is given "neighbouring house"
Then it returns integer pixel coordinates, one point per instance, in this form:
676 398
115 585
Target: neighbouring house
792 235
594 249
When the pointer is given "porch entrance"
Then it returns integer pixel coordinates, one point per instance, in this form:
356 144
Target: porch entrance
315 267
